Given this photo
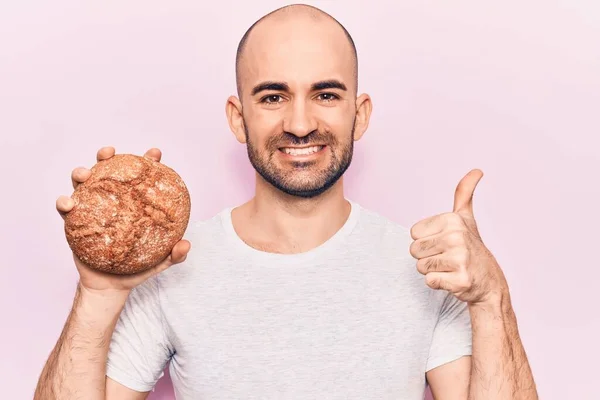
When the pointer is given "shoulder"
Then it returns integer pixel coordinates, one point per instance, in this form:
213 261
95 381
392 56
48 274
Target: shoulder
208 238
380 221
386 240
203 233
208 224
389 243
387 231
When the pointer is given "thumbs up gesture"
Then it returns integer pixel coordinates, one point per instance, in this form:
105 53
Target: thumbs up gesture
450 253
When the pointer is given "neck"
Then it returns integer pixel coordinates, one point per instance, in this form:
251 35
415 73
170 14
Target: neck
277 222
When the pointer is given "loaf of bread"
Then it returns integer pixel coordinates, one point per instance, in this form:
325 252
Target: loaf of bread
128 215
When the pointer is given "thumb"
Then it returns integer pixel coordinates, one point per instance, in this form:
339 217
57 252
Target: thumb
463 196
180 252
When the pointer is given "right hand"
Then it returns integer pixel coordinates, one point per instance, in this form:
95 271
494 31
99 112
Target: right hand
104 283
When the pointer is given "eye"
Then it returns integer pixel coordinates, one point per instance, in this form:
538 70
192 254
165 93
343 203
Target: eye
327 97
271 99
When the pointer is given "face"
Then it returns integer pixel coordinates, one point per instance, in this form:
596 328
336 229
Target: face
303 166
299 108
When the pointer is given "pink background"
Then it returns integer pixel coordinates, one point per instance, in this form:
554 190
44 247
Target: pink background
512 88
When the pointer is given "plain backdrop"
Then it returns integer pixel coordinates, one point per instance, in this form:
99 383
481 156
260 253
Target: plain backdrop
510 87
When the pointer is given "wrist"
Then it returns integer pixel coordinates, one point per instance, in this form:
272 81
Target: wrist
99 306
497 303
111 296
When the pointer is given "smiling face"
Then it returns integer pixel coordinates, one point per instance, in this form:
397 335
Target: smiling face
299 114
307 155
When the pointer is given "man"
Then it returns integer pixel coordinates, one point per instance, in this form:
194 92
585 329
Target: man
299 293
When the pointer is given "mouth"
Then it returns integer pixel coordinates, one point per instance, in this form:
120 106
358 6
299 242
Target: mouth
301 151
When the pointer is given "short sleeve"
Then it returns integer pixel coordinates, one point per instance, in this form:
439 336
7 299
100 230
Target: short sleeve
139 350
452 336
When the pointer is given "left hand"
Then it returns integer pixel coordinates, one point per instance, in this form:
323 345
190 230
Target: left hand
451 254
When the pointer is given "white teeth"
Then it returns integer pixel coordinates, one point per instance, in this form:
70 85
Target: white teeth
301 152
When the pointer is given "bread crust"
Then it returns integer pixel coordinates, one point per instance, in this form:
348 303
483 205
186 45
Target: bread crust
128 215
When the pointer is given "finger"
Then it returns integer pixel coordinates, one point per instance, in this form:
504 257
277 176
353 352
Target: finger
80 175
178 255
105 153
463 196
452 237
153 154
454 282
427 227
437 263
64 204
435 225
427 246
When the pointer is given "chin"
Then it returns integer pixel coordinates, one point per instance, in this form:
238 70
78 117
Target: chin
304 193
305 189
307 179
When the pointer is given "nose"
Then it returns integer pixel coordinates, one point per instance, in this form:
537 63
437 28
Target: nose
298 119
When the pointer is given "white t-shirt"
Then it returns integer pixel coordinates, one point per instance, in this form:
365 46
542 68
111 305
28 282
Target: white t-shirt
350 319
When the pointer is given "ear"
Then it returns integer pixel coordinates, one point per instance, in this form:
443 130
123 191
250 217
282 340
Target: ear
233 109
364 106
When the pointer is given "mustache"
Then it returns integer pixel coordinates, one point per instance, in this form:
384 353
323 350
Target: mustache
286 139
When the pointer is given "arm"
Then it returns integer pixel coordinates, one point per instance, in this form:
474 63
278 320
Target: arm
500 367
76 367
451 381
453 258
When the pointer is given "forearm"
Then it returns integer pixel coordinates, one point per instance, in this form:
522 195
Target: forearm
500 370
76 368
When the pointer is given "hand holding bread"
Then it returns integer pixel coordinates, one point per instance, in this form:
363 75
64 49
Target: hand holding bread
125 220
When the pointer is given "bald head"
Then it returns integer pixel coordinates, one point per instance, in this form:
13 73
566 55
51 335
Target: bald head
286 26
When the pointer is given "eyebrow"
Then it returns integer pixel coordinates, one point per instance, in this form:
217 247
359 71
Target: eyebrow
276 86
284 87
330 84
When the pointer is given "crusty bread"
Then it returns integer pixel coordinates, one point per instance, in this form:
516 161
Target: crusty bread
128 215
